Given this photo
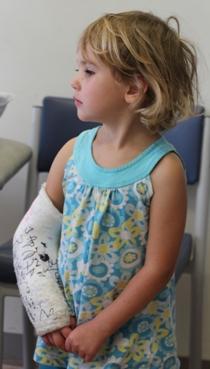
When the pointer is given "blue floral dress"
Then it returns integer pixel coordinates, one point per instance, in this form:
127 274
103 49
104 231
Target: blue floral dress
103 245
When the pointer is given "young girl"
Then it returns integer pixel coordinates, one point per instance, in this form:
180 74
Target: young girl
121 188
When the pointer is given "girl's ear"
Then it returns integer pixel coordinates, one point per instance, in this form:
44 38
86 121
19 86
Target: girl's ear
136 90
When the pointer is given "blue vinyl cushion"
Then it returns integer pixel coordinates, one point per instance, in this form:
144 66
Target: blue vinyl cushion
7 273
59 124
187 139
184 255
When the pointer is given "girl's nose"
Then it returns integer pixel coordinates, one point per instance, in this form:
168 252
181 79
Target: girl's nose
75 84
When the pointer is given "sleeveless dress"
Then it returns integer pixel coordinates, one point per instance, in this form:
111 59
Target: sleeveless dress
103 245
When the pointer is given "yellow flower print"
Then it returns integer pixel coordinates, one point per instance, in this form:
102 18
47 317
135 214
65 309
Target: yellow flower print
138 215
141 188
122 343
73 222
66 283
138 347
154 347
67 275
85 316
163 333
135 348
152 307
102 206
96 231
166 314
51 356
121 285
157 323
100 302
158 326
129 258
102 200
127 232
103 249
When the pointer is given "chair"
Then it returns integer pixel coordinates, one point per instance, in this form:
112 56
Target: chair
56 122
13 156
192 140
53 124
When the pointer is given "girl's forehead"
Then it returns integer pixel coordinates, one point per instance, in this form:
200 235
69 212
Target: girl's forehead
87 57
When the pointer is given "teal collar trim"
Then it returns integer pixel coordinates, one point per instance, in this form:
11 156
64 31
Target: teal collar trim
137 169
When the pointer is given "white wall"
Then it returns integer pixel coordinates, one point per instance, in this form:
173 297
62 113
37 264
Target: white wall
37 53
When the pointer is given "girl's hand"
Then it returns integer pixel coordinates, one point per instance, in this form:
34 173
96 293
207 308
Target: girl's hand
86 340
57 338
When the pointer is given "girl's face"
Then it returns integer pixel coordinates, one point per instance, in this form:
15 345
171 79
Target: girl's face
98 96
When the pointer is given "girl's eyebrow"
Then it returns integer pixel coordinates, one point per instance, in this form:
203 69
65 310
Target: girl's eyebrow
86 62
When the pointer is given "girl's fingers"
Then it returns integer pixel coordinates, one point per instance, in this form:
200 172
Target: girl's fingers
50 338
73 322
65 331
58 340
46 340
55 339
68 345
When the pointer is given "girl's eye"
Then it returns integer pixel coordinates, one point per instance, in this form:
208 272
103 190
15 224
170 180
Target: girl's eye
89 72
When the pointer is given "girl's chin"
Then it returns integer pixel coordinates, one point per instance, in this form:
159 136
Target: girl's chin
84 117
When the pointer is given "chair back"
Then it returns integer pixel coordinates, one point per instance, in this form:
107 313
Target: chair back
187 136
53 124
59 123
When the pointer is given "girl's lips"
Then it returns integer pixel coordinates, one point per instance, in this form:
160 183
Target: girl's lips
77 102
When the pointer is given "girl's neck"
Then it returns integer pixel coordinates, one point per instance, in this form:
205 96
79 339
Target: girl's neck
122 135
117 145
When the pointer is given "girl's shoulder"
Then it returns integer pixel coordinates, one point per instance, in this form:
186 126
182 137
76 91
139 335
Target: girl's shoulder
56 174
169 173
64 154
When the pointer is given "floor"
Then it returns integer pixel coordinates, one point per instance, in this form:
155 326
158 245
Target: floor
184 365
11 367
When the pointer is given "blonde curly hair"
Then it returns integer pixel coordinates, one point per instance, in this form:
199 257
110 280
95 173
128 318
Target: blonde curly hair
136 43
